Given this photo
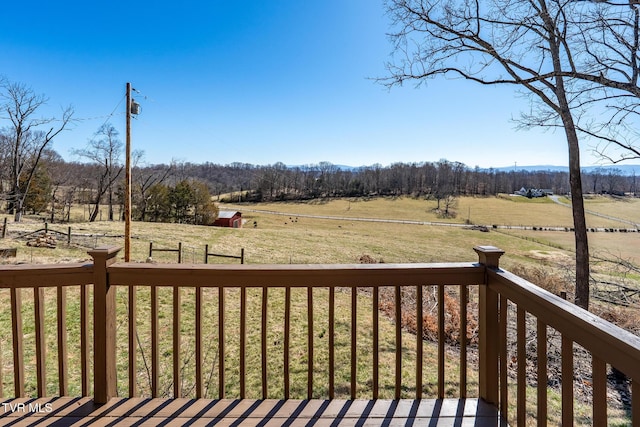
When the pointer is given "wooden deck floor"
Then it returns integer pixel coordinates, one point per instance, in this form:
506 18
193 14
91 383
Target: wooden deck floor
204 412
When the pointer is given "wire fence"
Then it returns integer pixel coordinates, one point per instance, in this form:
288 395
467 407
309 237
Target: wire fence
52 237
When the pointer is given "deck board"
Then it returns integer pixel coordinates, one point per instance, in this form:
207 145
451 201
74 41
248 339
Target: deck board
60 412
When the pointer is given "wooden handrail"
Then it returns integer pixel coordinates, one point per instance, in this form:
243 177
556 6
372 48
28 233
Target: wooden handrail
294 275
606 342
30 275
602 338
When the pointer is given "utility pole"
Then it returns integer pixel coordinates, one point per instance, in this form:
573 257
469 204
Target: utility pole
127 195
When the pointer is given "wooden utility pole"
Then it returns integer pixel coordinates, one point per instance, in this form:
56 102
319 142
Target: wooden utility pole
127 196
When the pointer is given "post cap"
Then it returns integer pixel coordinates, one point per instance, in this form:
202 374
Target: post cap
107 252
489 255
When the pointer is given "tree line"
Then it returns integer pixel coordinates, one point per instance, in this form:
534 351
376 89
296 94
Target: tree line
434 180
184 192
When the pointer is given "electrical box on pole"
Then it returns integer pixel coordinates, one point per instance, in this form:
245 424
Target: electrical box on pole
135 107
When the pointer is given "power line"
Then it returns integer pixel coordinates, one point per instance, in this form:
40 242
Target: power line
107 117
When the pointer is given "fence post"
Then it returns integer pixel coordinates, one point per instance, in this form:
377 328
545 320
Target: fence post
489 257
242 256
68 236
179 252
206 254
151 249
104 323
4 228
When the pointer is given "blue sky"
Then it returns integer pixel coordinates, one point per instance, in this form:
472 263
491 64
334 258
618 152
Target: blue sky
257 81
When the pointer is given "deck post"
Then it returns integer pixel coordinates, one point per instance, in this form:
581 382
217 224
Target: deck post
104 323
489 256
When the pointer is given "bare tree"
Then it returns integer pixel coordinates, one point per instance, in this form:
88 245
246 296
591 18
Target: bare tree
145 179
4 164
443 185
24 138
608 36
104 150
522 43
63 184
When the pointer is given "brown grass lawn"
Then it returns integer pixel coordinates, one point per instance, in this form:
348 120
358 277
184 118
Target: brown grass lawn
279 239
625 208
502 210
608 245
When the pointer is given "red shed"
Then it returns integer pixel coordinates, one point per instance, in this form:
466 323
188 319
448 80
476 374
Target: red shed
229 219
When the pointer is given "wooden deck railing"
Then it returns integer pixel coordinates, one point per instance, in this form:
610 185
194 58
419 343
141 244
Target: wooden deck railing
101 354
606 343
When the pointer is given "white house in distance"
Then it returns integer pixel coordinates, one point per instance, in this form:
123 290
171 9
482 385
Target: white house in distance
534 192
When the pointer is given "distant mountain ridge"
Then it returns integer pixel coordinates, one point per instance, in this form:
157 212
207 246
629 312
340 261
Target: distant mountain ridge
626 170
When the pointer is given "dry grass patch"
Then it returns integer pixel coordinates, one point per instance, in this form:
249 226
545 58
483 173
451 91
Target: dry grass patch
610 245
501 210
625 208
520 211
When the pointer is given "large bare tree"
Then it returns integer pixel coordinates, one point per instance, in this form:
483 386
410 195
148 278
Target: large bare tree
530 44
26 137
105 151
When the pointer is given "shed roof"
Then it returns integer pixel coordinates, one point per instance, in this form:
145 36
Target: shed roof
228 214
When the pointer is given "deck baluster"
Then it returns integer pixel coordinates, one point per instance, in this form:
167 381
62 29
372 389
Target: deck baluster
243 341
310 342
398 315
376 339
504 384
133 333
264 342
84 338
198 343
18 349
155 362
419 346
287 338
464 300
41 348
441 341
354 344
221 344
63 379
177 389
542 373
599 403
521 327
